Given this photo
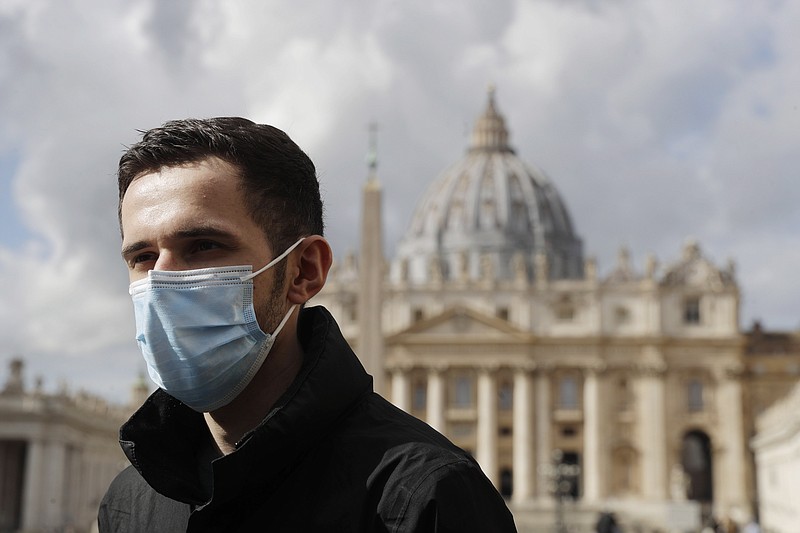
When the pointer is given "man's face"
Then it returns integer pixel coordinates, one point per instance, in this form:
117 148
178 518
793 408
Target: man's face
193 216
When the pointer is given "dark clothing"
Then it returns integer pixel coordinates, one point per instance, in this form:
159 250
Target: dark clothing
331 456
607 523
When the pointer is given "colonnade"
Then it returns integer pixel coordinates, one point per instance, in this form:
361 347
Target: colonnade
533 425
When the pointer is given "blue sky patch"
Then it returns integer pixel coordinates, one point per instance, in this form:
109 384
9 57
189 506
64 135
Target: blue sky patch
13 233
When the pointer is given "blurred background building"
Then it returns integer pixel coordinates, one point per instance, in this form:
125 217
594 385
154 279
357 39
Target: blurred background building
633 391
58 454
773 410
490 324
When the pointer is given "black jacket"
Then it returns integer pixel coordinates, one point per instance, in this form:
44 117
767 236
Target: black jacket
331 456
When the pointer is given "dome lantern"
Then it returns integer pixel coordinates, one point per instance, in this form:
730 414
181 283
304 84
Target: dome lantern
490 132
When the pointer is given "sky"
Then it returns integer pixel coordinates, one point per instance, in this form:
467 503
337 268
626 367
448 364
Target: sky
659 121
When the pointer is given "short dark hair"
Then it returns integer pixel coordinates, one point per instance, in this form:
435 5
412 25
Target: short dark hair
278 179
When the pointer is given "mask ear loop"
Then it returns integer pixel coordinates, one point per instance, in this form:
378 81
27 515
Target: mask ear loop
284 321
273 262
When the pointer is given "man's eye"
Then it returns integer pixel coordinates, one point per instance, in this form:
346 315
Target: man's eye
143 258
204 246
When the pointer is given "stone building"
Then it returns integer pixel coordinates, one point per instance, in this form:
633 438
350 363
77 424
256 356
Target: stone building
58 454
777 456
489 324
772 420
772 370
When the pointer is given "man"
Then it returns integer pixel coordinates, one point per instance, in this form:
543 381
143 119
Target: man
264 419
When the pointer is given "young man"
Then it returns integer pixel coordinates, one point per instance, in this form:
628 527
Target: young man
264 419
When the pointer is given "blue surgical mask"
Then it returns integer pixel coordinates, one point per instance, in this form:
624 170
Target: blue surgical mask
198 332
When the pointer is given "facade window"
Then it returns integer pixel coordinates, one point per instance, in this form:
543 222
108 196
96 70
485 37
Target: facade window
488 216
625 462
572 482
564 309
419 396
463 392
506 482
625 396
622 315
455 217
519 219
565 312
502 313
417 314
568 393
695 395
505 396
691 311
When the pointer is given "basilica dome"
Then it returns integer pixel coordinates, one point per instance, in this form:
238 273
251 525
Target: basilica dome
489 215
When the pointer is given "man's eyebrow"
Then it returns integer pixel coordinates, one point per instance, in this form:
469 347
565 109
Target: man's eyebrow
189 233
134 247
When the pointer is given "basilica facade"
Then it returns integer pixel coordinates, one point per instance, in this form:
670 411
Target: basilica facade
617 392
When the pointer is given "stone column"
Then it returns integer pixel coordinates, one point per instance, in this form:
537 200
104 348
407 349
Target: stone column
652 442
401 393
544 439
523 435
486 452
54 485
729 479
435 404
592 443
33 495
45 476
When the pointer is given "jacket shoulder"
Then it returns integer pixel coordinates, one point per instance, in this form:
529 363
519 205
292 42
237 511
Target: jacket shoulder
131 505
428 488
423 482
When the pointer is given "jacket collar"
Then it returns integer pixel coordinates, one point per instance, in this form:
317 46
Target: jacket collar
167 442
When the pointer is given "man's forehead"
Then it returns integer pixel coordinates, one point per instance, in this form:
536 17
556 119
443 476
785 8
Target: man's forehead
204 189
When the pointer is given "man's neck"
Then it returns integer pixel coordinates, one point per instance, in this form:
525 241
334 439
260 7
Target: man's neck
230 423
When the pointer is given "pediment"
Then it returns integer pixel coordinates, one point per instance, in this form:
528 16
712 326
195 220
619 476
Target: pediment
460 325
694 270
697 273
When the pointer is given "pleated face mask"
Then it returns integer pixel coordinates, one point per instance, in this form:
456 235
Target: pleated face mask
198 332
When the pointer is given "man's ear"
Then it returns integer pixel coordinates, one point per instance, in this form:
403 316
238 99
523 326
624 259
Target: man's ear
311 266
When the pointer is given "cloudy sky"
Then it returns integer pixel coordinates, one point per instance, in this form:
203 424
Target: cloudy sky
658 121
